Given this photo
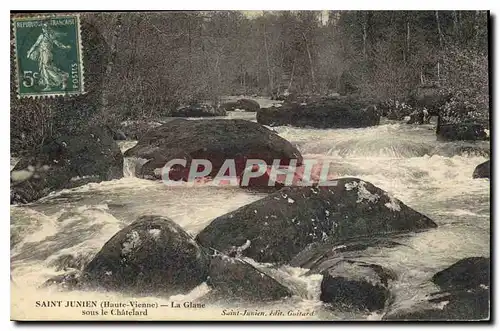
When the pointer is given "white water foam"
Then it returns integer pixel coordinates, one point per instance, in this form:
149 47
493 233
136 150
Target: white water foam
397 158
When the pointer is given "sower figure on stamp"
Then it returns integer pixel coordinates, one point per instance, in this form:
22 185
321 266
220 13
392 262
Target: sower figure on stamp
42 51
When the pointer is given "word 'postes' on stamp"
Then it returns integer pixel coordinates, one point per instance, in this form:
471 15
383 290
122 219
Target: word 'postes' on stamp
48 56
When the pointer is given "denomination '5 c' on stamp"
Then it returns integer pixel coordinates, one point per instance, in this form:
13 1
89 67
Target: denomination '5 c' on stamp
48 56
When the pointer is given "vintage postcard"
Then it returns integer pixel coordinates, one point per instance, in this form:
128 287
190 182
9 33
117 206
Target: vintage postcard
250 166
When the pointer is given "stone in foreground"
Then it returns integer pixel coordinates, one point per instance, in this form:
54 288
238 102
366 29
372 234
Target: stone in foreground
364 286
152 256
482 170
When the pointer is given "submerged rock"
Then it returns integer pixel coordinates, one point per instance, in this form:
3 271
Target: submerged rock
66 162
153 256
282 224
235 278
216 140
482 170
356 284
326 113
465 294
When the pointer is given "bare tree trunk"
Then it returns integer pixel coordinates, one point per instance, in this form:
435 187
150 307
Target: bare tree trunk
476 28
109 66
439 74
310 62
217 67
291 76
455 23
241 76
245 82
268 64
190 55
407 39
364 36
439 30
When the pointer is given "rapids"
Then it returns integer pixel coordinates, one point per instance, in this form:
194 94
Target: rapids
431 177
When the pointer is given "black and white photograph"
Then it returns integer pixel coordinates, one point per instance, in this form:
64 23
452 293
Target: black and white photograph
250 165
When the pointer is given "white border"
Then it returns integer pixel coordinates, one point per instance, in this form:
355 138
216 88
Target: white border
200 5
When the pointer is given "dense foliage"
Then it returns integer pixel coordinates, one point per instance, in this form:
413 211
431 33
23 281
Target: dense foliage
160 60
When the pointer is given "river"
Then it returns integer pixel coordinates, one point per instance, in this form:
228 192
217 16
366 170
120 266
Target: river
434 178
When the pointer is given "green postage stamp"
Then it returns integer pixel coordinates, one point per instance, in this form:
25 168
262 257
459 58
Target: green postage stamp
48 56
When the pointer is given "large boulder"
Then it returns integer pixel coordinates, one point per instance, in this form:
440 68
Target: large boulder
282 224
465 294
364 286
198 110
326 113
215 140
235 278
151 256
482 170
276 116
66 162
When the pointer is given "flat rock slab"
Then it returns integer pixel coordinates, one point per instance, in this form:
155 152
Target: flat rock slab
355 284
